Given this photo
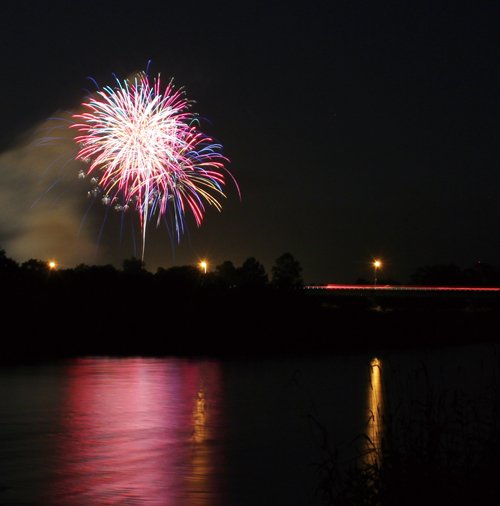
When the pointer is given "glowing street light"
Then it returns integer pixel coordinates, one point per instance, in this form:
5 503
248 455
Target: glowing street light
377 264
203 265
52 265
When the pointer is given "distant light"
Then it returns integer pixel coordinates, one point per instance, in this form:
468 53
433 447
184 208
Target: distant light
377 264
203 265
52 265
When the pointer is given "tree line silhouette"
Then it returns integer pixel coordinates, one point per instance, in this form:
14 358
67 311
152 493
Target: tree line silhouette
177 310
286 273
232 310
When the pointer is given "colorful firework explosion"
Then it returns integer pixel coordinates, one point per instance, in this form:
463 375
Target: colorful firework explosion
145 152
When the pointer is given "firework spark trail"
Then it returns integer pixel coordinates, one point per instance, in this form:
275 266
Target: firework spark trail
145 152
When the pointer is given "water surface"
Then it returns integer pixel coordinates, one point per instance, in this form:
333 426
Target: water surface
183 432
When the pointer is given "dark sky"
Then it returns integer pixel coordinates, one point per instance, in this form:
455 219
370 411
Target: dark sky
355 129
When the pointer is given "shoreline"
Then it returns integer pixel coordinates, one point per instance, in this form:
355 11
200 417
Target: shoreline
281 327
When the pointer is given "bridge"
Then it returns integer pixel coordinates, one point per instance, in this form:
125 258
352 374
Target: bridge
401 290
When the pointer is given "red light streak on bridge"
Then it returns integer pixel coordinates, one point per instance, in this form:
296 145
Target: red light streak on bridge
408 288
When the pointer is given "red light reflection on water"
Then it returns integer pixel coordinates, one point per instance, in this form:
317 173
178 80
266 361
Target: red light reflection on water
139 431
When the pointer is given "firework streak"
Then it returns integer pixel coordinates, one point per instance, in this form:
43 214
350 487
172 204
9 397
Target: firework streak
145 152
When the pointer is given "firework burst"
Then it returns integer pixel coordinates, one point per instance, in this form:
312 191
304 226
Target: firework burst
145 152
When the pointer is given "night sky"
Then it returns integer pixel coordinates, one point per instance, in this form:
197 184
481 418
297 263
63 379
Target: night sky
355 129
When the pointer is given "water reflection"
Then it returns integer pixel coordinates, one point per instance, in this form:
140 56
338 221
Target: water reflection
375 409
138 431
200 418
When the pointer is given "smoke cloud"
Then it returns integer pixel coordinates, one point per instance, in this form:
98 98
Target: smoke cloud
42 199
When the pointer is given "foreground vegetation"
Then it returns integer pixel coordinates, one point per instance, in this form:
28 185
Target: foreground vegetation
437 446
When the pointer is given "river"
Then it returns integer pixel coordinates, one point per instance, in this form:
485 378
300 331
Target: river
181 432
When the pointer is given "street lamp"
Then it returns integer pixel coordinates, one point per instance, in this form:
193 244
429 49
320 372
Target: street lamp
52 264
377 264
203 265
